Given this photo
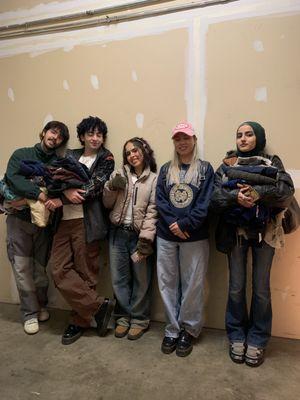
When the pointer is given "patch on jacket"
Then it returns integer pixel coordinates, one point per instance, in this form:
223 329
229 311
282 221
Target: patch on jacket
181 195
110 157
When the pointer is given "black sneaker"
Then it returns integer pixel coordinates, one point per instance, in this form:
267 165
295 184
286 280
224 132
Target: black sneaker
168 344
71 334
103 315
185 344
254 356
237 352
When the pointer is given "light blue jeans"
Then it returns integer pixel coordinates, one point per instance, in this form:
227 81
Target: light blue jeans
181 270
131 281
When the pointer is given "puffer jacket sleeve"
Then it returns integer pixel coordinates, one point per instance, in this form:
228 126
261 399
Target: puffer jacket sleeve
110 196
148 228
280 194
222 198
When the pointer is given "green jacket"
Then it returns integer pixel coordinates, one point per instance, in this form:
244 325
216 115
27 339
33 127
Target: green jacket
18 183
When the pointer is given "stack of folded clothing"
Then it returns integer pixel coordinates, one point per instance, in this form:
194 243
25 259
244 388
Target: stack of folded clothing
249 171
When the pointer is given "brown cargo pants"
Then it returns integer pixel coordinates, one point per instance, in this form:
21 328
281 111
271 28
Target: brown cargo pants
75 268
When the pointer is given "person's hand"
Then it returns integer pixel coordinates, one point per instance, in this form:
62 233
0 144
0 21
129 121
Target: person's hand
17 203
43 197
174 228
118 182
52 204
137 257
243 198
74 195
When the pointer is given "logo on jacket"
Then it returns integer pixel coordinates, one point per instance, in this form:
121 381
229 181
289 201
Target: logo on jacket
181 195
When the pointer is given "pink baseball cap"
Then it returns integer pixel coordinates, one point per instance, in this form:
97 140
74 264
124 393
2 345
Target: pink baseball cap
184 127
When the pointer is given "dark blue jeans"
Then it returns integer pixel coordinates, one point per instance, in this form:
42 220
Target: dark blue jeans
131 281
255 328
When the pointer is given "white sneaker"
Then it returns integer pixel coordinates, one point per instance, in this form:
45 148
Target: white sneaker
43 315
31 326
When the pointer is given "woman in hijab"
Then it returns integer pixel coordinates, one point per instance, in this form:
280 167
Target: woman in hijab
251 187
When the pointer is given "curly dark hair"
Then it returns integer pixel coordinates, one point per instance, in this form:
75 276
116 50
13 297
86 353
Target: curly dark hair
89 125
57 125
143 145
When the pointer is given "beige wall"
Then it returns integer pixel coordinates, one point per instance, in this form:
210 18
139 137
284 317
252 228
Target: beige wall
150 75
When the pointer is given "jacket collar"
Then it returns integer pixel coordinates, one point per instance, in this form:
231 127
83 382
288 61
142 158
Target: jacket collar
42 154
144 174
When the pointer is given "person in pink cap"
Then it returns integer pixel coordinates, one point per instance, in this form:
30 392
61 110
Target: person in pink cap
183 192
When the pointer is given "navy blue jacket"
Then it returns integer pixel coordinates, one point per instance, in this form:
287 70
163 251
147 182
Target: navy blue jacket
188 207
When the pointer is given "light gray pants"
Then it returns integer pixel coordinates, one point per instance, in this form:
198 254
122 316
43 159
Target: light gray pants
28 252
181 270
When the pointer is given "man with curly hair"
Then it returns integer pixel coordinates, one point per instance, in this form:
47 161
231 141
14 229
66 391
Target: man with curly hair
75 256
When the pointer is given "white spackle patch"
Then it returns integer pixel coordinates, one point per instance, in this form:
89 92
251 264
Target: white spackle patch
139 120
11 94
48 118
282 36
261 94
134 75
258 46
95 81
104 45
66 85
69 48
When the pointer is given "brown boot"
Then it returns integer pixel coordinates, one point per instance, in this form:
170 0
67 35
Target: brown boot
135 333
121 331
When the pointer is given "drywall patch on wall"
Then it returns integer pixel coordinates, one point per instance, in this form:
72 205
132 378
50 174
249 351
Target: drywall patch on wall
48 118
95 82
68 48
134 75
55 8
66 85
261 94
195 84
258 46
200 88
11 95
152 26
139 118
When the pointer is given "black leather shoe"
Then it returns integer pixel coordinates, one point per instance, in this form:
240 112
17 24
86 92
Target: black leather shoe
185 344
71 334
168 344
103 315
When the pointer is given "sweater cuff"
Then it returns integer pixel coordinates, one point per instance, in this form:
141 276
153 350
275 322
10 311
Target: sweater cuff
183 224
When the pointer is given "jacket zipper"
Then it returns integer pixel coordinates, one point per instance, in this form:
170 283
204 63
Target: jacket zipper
121 215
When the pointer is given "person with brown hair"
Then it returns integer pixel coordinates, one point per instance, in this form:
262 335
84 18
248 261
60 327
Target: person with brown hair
28 245
130 194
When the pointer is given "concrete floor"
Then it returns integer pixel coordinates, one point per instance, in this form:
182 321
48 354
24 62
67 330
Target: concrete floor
93 368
